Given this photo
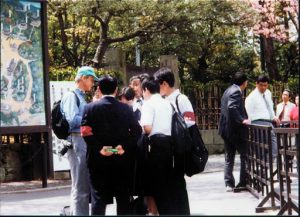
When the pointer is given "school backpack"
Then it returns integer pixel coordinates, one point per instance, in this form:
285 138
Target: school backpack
182 141
59 123
196 154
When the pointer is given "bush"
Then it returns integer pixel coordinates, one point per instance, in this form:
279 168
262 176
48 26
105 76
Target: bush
69 73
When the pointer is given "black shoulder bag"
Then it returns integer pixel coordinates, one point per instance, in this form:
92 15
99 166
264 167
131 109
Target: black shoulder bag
196 158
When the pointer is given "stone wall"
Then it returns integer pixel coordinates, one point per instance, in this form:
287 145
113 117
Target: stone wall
10 163
20 162
213 142
171 62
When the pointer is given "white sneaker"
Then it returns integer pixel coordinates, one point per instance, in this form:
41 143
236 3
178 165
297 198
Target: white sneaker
229 189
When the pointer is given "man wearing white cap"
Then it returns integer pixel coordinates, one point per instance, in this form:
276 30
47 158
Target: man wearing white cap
72 105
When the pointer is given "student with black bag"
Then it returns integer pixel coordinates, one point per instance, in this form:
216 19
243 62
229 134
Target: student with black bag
160 182
166 80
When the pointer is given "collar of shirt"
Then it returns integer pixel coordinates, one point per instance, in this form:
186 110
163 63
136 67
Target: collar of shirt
108 96
261 94
173 95
155 96
80 92
137 103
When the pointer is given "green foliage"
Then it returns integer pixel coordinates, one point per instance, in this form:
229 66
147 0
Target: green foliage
69 73
62 74
210 38
293 85
288 59
211 43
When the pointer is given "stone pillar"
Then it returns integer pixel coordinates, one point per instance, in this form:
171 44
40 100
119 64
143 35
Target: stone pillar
171 62
115 60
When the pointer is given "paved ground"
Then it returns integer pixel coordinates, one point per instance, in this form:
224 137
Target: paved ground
206 194
215 164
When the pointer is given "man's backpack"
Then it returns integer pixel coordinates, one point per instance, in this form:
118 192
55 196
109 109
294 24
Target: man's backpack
59 123
196 154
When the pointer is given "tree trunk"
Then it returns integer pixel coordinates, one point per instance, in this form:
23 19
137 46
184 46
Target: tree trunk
100 52
102 44
270 57
64 39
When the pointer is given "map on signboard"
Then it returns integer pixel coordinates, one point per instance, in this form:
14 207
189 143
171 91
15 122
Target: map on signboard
22 70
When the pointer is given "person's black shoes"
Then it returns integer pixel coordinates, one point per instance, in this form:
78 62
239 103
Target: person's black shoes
241 185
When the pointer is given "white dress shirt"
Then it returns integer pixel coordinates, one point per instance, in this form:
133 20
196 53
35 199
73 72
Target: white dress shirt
157 112
287 111
256 106
137 104
185 106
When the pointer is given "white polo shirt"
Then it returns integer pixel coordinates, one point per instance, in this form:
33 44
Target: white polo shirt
287 110
256 107
185 106
157 112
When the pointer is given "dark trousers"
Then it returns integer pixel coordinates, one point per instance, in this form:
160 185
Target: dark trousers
230 150
99 205
166 185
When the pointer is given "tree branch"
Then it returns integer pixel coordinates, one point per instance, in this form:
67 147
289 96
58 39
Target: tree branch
294 21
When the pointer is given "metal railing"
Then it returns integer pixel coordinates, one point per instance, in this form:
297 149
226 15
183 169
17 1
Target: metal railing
288 151
260 168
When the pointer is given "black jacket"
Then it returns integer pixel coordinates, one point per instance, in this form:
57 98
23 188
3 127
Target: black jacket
109 122
233 113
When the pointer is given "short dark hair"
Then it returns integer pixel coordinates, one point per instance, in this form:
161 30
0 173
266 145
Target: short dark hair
143 76
133 78
107 84
239 78
287 90
262 78
165 74
151 85
128 93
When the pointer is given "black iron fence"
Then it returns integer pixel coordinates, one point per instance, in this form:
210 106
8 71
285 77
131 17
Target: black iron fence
288 156
260 167
264 171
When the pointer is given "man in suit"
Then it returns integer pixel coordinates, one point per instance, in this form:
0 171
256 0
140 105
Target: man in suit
111 132
233 130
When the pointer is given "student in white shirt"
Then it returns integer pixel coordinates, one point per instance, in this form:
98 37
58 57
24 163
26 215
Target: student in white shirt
135 82
259 107
283 109
182 104
166 81
156 121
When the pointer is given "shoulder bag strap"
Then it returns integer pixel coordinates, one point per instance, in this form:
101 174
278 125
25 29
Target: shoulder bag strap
176 102
77 99
78 103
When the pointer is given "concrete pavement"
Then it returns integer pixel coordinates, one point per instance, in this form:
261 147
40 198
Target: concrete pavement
206 194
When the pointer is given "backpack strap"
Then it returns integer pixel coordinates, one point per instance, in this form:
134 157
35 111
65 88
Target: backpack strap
77 99
173 108
176 102
78 103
